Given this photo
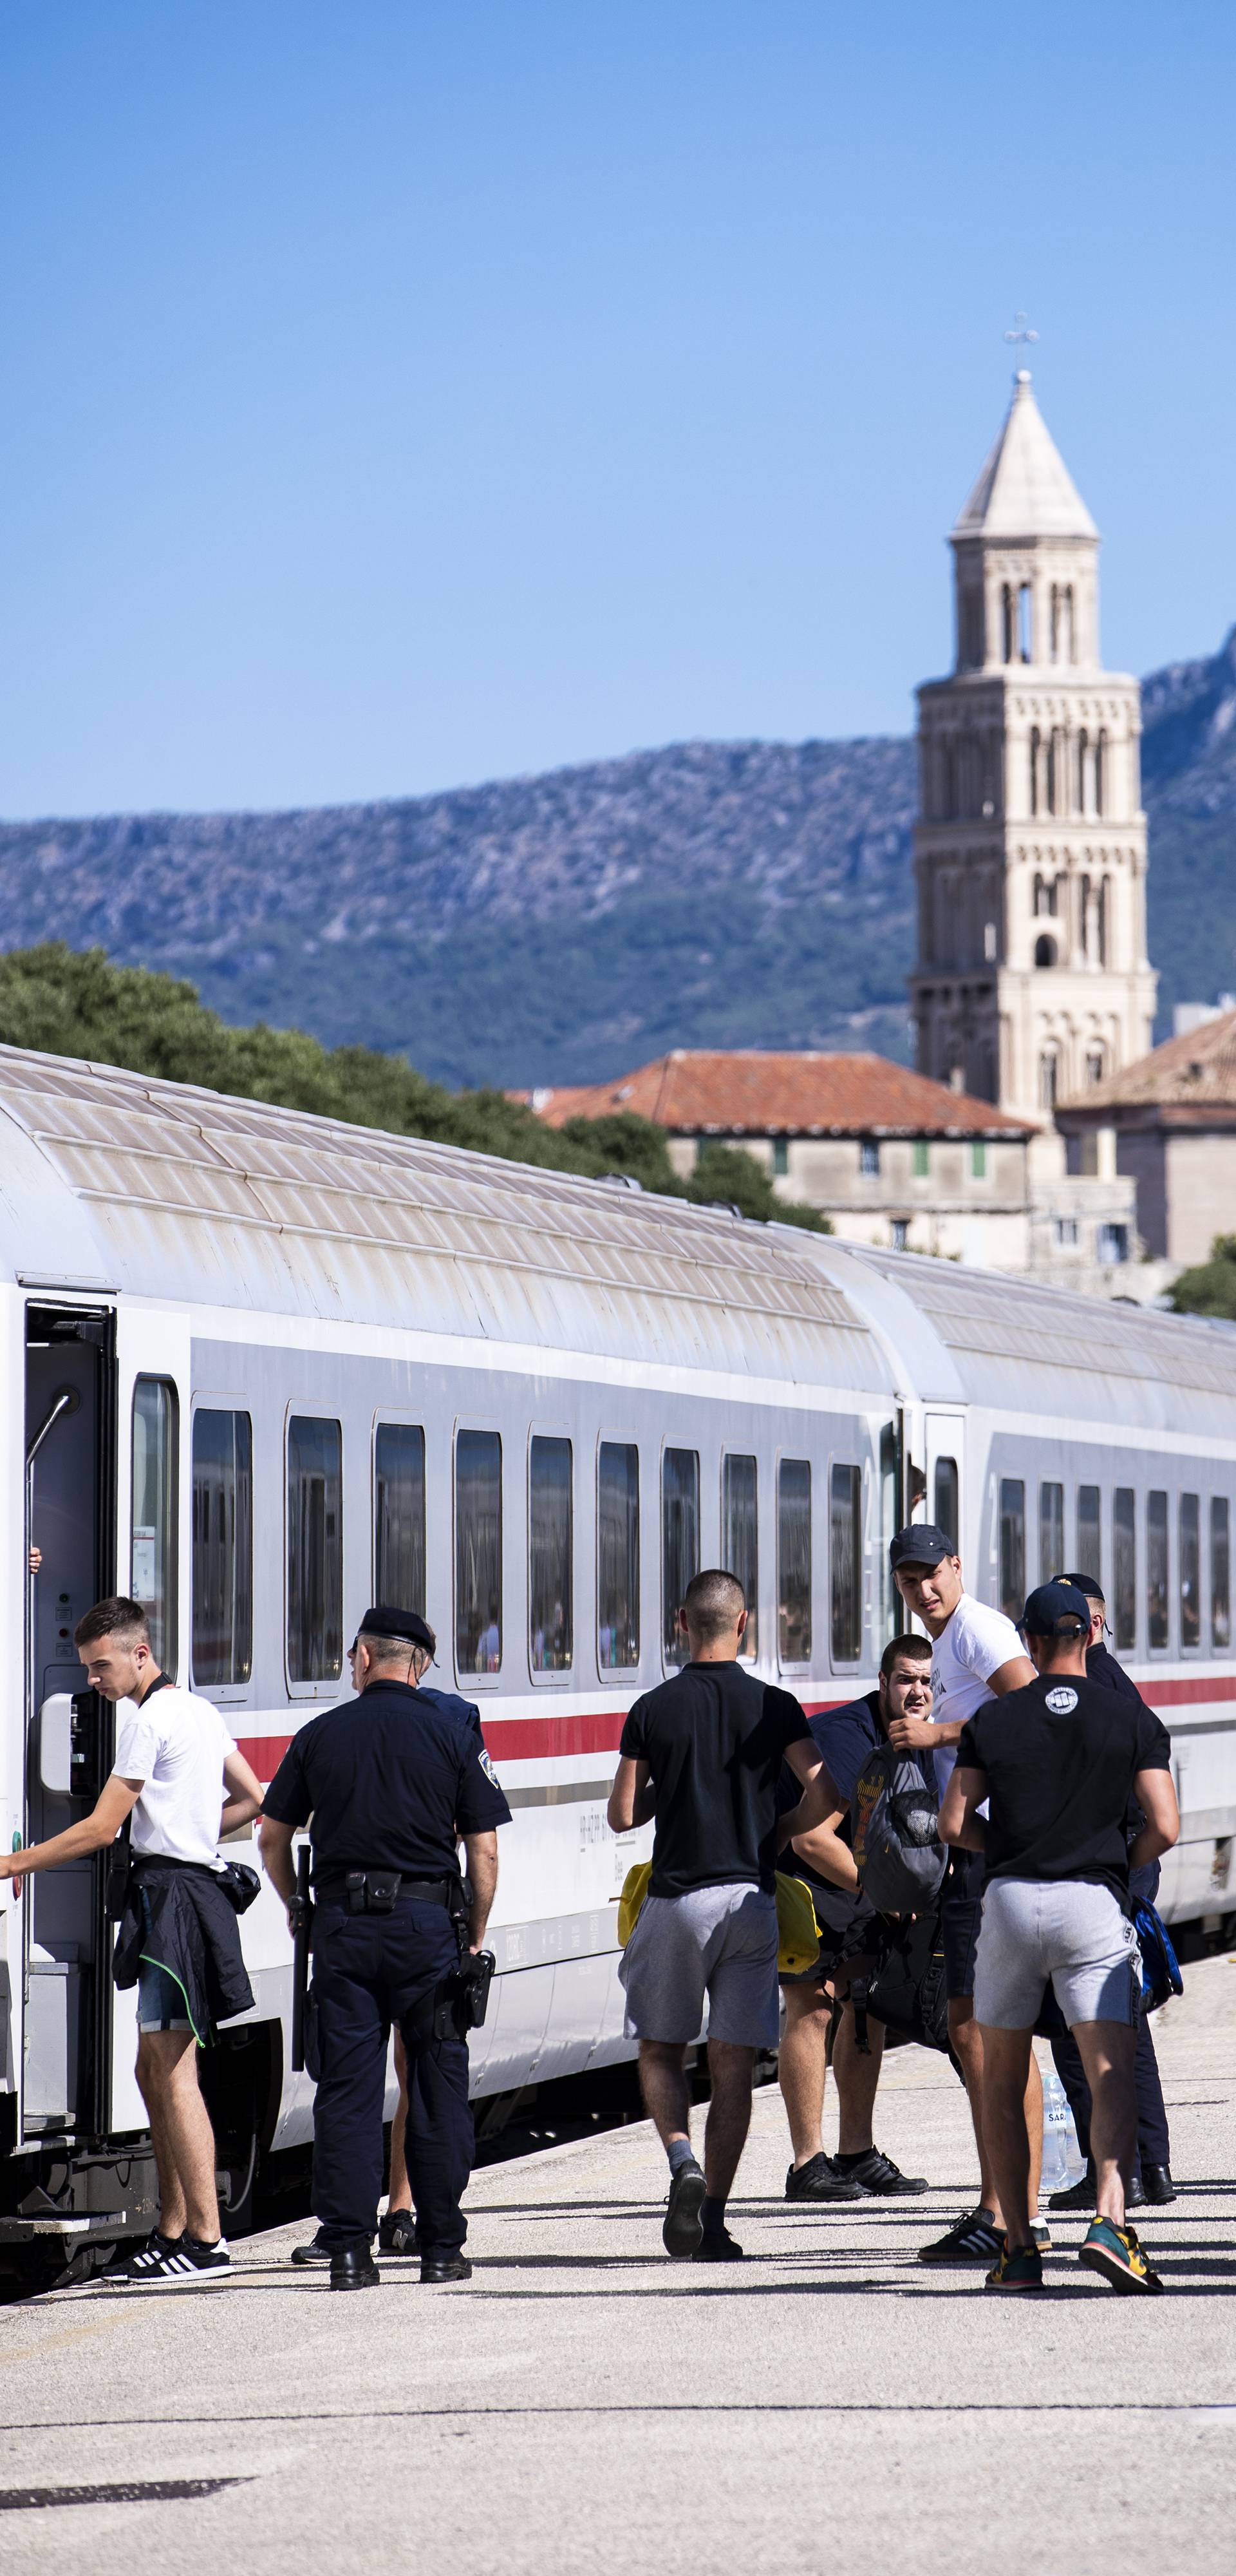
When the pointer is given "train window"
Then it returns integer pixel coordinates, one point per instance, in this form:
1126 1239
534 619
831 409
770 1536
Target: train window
551 1566
1012 1546
1156 1567
152 1556
1220 1574
845 1517
1190 1570
680 1543
794 1560
1090 1532
890 1598
1124 1535
1051 1531
617 1556
399 1515
315 1549
222 1547
947 1513
740 1541
478 1551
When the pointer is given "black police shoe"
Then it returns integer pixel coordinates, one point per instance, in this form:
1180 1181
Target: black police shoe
397 2233
819 2179
1158 2185
354 2269
445 2267
1076 2195
878 2176
1136 2196
317 2251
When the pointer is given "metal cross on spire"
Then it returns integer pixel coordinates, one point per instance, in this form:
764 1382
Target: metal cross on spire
1021 331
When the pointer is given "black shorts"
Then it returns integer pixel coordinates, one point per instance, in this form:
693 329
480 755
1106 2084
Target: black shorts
840 1942
961 1914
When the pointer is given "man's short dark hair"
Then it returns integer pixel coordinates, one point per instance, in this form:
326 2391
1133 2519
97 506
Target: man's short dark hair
918 1647
115 1617
394 1650
713 1602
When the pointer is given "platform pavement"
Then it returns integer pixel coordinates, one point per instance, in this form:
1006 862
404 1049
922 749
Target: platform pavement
586 2409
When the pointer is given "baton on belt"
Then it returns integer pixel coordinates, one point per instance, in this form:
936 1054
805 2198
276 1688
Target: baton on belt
301 1910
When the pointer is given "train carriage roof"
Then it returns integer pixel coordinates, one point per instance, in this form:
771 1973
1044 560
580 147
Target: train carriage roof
176 1193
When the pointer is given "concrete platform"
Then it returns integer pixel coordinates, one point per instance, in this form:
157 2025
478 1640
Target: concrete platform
585 2409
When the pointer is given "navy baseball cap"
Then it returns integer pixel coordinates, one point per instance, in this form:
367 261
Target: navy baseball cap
384 1621
922 1543
1058 1609
1085 1583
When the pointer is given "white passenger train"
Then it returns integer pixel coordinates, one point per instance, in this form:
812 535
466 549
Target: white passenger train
270 1367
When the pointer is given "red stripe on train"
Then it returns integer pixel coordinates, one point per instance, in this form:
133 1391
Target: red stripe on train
508 1739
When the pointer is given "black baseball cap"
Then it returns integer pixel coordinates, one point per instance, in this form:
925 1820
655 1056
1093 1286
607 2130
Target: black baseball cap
383 1621
922 1543
1085 1583
1058 1609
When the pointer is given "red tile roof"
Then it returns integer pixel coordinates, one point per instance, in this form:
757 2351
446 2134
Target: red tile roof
1187 1078
701 1092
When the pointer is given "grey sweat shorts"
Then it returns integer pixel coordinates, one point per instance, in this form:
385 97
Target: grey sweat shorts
719 1942
1069 1930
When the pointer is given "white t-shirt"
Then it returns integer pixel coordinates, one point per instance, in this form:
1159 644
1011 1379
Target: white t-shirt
176 1744
972 1647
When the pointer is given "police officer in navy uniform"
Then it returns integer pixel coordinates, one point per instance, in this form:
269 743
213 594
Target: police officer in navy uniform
389 1784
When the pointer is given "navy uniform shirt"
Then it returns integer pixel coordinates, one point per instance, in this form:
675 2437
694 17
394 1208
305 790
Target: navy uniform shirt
391 1781
1102 1667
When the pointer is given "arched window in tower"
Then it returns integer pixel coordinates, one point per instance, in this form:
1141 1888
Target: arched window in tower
1055 772
1044 951
1007 637
1085 924
1096 1065
1044 895
1055 621
1049 1077
1105 914
1036 741
1025 623
1083 755
1100 773
1068 652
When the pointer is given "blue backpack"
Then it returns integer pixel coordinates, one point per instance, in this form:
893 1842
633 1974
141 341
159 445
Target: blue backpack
1161 1975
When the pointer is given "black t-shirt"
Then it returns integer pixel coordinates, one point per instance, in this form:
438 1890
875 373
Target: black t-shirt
391 1780
713 1739
1060 1759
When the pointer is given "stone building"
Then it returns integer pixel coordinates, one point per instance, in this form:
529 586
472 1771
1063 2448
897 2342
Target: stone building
1168 1126
888 1157
1032 981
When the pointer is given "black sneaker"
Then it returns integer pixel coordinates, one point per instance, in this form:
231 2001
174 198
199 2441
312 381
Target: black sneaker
397 2233
972 2239
683 2226
313 2253
819 2179
878 2176
187 2266
136 2262
716 2245
1078 2195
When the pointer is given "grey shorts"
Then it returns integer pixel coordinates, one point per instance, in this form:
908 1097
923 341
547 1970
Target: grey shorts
1069 1930
719 1942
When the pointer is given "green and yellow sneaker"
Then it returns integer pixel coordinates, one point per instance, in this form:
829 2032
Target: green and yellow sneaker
1021 2270
1115 2252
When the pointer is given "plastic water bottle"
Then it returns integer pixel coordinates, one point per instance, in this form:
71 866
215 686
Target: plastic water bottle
1062 2157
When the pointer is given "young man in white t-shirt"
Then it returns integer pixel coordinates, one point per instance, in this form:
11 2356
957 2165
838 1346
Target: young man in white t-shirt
977 1656
180 1778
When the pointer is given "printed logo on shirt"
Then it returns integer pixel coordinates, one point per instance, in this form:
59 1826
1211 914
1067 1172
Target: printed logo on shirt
488 1768
1061 1700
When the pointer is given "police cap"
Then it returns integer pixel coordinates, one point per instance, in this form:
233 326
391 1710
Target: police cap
1058 1609
385 1621
1085 1583
923 1543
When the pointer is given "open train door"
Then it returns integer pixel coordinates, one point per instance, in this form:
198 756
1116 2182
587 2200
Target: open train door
69 1557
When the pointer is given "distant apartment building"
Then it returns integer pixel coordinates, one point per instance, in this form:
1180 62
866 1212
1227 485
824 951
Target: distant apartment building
1168 1124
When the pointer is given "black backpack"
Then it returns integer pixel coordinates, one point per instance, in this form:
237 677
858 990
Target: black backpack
906 1990
894 1822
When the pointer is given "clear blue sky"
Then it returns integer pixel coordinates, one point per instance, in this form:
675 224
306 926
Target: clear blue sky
403 395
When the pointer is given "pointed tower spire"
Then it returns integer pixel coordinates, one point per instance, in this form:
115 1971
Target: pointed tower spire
1025 489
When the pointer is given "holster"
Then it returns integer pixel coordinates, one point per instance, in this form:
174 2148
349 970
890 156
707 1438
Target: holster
371 1891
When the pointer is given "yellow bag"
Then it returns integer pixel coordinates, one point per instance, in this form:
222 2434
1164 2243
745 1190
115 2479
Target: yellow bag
634 1890
798 1933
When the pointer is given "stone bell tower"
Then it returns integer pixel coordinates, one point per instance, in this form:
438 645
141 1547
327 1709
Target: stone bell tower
1032 979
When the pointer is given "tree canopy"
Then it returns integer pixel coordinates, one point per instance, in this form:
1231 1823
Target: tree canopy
1210 1287
64 1001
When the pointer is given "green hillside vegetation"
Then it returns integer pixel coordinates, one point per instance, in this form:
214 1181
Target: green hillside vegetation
1209 1288
64 1002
